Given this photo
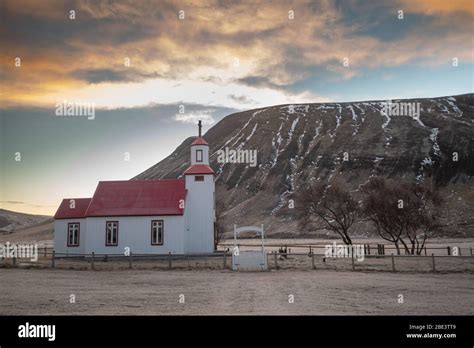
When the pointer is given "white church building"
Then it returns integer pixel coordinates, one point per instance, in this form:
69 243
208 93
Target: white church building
146 216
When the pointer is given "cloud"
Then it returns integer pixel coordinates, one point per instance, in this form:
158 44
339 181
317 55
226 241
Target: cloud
438 6
251 44
241 99
110 75
193 118
259 81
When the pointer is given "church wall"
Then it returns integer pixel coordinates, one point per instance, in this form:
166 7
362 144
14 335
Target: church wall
60 236
135 233
199 213
205 154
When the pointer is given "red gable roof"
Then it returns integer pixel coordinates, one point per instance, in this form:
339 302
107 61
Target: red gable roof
199 141
79 211
199 169
138 198
128 198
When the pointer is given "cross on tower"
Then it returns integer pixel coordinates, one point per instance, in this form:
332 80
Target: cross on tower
199 125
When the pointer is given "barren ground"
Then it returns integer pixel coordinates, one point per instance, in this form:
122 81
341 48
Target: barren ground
150 292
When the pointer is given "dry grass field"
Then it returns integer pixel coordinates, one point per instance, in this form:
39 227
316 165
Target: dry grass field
332 287
207 291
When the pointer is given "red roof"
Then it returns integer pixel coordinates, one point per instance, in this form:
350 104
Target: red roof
128 198
199 141
65 211
199 169
138 198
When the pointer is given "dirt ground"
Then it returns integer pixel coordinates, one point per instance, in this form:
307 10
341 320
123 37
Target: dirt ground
157 292
331 289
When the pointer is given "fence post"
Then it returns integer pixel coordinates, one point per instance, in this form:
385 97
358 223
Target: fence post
425 251
130 260
459 250
92 260
275 259
169 260
433 258
225 260
368 249
449 251
353 264
312 260
14 260
45 251
52 259
471 251
393 263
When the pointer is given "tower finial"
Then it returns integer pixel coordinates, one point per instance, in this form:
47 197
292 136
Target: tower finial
199 125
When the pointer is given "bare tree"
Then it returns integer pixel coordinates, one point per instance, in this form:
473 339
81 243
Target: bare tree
380 207
405 214
422 215
331 205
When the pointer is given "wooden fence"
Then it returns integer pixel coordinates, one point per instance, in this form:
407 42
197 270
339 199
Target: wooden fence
276 260
389 262
369 249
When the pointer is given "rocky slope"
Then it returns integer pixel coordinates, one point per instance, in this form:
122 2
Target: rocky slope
12 220
350 141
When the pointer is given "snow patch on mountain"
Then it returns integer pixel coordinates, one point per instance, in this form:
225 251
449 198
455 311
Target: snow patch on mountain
434 140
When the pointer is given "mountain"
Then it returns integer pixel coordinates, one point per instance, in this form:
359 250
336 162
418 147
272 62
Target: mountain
12 220
299 143
20 227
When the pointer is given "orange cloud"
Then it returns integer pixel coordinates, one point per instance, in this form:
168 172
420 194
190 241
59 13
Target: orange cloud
437 6
237 41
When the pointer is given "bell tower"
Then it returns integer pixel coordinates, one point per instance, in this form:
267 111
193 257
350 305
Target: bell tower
199 149
200 199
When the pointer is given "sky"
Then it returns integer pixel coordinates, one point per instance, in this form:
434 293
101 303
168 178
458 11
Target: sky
151 69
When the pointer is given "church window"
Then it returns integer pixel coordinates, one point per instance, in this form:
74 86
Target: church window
157 232
111 233
198 155
73 234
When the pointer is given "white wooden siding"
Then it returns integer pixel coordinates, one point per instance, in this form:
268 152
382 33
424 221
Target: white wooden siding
60 236
135 232
205 154
199 215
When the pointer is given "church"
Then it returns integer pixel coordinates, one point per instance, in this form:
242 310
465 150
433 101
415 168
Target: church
146 216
